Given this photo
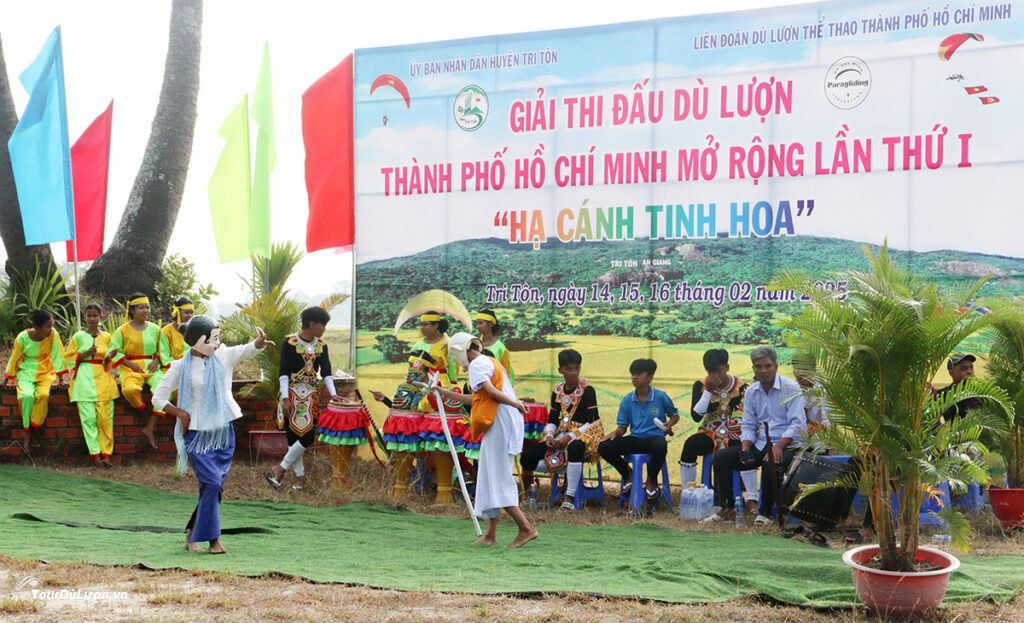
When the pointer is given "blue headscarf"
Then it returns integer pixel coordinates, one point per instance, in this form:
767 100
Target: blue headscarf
213 422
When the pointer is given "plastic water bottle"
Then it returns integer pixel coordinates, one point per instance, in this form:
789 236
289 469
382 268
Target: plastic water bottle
531 501
739 511
686 504
706 506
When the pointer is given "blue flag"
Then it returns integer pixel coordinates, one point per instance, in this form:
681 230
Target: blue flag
41 152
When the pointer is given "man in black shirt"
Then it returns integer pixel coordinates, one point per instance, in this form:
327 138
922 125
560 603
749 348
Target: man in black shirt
573 407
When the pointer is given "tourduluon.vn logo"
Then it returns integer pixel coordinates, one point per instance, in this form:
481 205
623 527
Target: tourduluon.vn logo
66 594
847 82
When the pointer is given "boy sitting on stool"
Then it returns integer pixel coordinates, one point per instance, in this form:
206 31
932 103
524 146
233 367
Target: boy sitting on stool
649 415
573 406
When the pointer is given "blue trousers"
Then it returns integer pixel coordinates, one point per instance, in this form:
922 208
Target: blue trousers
211 469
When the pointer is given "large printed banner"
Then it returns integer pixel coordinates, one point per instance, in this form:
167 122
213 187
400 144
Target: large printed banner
630 190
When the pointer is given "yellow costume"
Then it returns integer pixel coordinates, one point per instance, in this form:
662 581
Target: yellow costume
34 365
93 390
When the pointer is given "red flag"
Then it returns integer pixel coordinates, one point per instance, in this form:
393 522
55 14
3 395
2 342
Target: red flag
90 163
989 100
973 90
327 135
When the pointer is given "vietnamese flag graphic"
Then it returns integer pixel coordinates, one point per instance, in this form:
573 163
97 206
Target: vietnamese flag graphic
327 134
90 166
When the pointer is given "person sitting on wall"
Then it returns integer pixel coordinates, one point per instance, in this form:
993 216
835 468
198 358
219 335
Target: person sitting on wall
649 415
771 399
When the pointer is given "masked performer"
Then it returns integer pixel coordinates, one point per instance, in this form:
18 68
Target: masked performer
206 409
717 407
37 359
142 351
497 415
304 358
93 389
181 313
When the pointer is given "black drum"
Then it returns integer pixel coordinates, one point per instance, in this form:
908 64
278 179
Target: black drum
823 509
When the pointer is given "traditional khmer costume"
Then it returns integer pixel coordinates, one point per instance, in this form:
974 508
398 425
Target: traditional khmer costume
141 347
34 366
719 415
302 365
93 390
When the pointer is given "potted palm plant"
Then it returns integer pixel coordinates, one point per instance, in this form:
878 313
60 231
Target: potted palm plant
878 345
1006 368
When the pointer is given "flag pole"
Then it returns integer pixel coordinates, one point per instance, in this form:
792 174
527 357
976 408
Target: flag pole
78 291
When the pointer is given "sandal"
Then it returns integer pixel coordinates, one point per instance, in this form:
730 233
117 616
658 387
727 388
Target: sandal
567 506
275 483
626 489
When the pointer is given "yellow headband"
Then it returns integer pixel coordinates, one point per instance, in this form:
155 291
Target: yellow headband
430 318
142 300
488 317
176 311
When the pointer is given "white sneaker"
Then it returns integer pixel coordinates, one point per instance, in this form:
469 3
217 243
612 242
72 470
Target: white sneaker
761 520
712 519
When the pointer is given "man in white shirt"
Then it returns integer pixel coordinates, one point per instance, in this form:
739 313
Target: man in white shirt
771 399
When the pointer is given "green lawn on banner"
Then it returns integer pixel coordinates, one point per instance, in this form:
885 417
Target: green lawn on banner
380 546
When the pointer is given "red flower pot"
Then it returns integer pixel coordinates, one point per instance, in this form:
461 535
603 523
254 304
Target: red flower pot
893 593
1008 506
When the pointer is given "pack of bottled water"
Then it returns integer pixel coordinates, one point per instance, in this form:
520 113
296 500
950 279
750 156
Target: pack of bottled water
697 503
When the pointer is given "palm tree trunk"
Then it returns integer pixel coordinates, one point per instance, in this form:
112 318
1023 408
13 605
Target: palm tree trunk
20 258
132 263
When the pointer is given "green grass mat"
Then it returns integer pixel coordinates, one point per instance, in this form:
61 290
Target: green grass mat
55 517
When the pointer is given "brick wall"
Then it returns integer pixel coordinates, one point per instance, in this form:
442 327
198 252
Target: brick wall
63 432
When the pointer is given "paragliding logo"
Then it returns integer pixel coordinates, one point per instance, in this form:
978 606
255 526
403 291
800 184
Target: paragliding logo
847 82
387 80
471 108
953 42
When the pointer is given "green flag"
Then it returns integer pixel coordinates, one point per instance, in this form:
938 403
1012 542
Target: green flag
263 114
229 190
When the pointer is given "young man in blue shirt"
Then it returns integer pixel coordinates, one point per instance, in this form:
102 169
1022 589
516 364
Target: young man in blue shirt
637 412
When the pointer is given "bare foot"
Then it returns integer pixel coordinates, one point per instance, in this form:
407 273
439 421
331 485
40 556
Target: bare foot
193 547
752 507
524 538
97 461
148 433
217 548
485 541
106 462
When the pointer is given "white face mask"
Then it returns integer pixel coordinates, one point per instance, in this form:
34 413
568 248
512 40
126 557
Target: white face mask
207 347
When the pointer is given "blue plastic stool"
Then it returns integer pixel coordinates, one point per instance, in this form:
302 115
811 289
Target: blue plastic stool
583 492
705 476
637 496
973 500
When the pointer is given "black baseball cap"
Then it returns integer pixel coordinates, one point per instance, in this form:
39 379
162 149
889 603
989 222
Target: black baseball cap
956 358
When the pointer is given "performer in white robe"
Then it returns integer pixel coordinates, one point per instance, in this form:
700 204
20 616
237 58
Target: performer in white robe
498 414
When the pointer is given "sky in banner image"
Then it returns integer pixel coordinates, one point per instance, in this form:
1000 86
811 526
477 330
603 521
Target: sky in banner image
630 190
114 49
